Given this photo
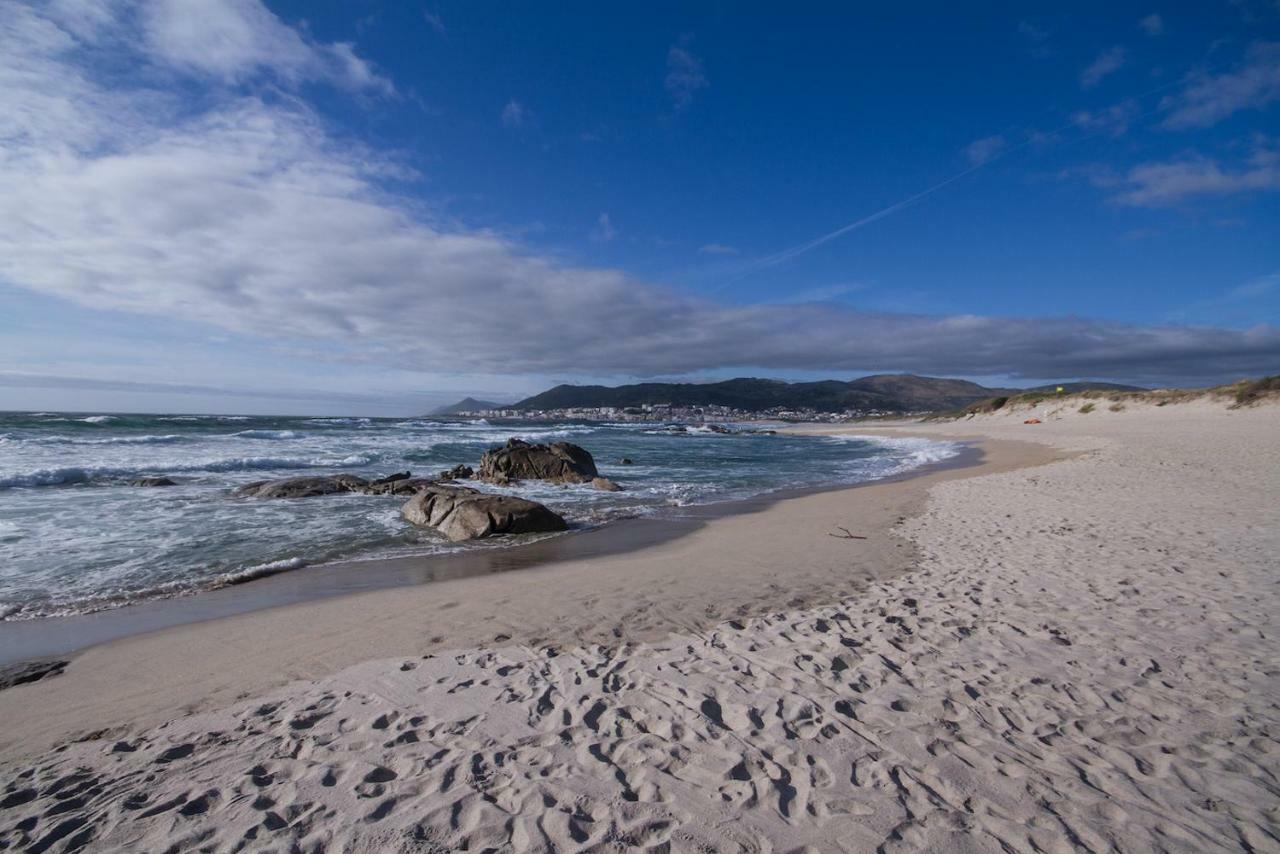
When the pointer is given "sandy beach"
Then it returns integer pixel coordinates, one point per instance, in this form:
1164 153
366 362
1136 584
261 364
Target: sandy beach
1066 647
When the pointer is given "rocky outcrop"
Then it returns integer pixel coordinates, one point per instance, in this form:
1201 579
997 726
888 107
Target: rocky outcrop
458 472
561 462
462 513
303 487
153 481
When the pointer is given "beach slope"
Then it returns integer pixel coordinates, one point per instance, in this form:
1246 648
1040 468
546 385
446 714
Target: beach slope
1079 656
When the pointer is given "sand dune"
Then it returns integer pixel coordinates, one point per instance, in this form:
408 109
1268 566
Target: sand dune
1084 658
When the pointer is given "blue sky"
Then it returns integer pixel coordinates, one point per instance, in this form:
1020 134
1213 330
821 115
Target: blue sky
338 207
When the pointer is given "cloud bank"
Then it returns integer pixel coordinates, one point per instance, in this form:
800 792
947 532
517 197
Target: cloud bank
245 213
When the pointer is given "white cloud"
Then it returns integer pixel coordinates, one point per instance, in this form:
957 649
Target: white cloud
1157 184
684 75
1256 288
982 150
717 249
434 21
247 216
1109 62
1210 98
514 114
1152 25
1113 120
604 229
236 40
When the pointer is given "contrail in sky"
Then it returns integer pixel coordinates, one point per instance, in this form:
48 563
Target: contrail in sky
788 254
795 251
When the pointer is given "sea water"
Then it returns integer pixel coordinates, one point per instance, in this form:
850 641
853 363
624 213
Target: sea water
75 537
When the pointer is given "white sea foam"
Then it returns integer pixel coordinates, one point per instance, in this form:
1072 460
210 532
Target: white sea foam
167 439
268 434
261 570
98 419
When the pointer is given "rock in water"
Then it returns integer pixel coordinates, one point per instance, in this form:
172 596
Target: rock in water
462 513
562 462
153 481
604 484
303 487
458 472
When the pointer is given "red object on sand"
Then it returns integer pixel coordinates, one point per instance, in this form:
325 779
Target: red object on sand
1032 421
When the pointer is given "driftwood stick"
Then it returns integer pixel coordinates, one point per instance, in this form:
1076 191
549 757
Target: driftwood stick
846 535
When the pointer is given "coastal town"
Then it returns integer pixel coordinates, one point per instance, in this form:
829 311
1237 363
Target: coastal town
662 413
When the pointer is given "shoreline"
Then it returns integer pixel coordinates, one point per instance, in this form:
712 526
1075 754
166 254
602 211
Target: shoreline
638 594
44 638
1021 660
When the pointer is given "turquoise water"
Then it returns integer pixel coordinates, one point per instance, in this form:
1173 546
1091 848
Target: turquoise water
74 537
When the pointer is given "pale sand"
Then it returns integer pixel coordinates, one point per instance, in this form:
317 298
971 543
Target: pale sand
1081 658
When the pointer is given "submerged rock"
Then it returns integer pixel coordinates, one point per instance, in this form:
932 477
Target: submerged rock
561 462
625 461
603 483
462 513
153 481
303 487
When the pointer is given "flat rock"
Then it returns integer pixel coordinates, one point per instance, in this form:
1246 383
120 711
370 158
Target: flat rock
303 487
402 486
462 513
561 462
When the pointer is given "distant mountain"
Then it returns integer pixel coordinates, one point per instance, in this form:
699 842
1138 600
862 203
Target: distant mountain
888 392
467 404
1072 388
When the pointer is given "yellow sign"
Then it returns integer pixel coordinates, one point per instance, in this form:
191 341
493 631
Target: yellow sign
1059 389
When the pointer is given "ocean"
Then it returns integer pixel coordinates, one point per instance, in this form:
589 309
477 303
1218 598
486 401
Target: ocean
76 538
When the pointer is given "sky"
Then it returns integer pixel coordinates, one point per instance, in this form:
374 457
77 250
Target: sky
376 208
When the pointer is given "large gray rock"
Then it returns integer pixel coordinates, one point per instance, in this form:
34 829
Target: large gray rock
303 487
561 462
462 513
